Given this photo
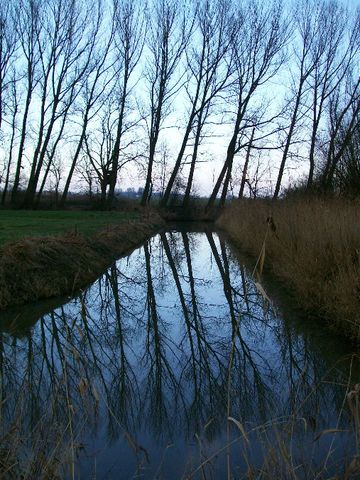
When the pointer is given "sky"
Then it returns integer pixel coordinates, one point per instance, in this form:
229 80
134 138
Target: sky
213 148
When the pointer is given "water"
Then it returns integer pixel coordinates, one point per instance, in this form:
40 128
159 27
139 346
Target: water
131 379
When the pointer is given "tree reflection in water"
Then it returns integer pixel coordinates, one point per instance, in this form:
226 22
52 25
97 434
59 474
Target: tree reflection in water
131 376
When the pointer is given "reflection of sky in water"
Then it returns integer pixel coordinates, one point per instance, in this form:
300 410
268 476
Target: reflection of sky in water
153 337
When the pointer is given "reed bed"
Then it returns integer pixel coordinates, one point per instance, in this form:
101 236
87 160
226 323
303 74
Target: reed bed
312 245
49 449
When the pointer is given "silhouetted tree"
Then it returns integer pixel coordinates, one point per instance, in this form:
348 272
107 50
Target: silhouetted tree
209 68
168 35
257 52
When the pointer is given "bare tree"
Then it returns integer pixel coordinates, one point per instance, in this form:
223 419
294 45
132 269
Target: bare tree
338 49
246 165
198 136
84 170
344 122
94 94
56 172
321 62
66 48
306 33
51 156
257 51
29 27
209 70
13 106
168 35
347 172
99 147
129 37
71 72
8 46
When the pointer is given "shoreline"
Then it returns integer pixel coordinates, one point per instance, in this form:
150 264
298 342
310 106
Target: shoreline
38 268
311 246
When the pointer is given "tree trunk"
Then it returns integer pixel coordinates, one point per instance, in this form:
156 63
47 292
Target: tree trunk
14 193
72 167
246 165
288 139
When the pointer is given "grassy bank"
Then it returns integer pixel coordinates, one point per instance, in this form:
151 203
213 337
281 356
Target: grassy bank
17 224
35 268
312 246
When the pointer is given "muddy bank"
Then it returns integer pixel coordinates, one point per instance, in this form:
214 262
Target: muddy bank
45 267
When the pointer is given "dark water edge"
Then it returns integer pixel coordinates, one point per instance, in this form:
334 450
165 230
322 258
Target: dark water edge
130 379
285 303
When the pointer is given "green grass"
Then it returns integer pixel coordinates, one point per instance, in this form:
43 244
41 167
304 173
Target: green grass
18 224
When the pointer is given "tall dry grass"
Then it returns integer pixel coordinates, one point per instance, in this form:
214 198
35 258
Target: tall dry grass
312 245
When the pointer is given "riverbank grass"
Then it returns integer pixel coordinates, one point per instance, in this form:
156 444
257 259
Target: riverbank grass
74 252
18 224
312 245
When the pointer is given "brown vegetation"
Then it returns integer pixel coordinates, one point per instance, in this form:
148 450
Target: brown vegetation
312 245
45 267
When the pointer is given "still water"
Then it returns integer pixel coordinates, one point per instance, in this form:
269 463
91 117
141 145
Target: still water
174 364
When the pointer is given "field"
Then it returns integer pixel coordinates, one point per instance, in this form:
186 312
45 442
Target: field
18 224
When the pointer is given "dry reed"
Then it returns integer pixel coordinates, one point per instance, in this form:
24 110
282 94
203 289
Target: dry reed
312 246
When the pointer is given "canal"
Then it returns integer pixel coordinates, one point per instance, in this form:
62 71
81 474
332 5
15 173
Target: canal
176 363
